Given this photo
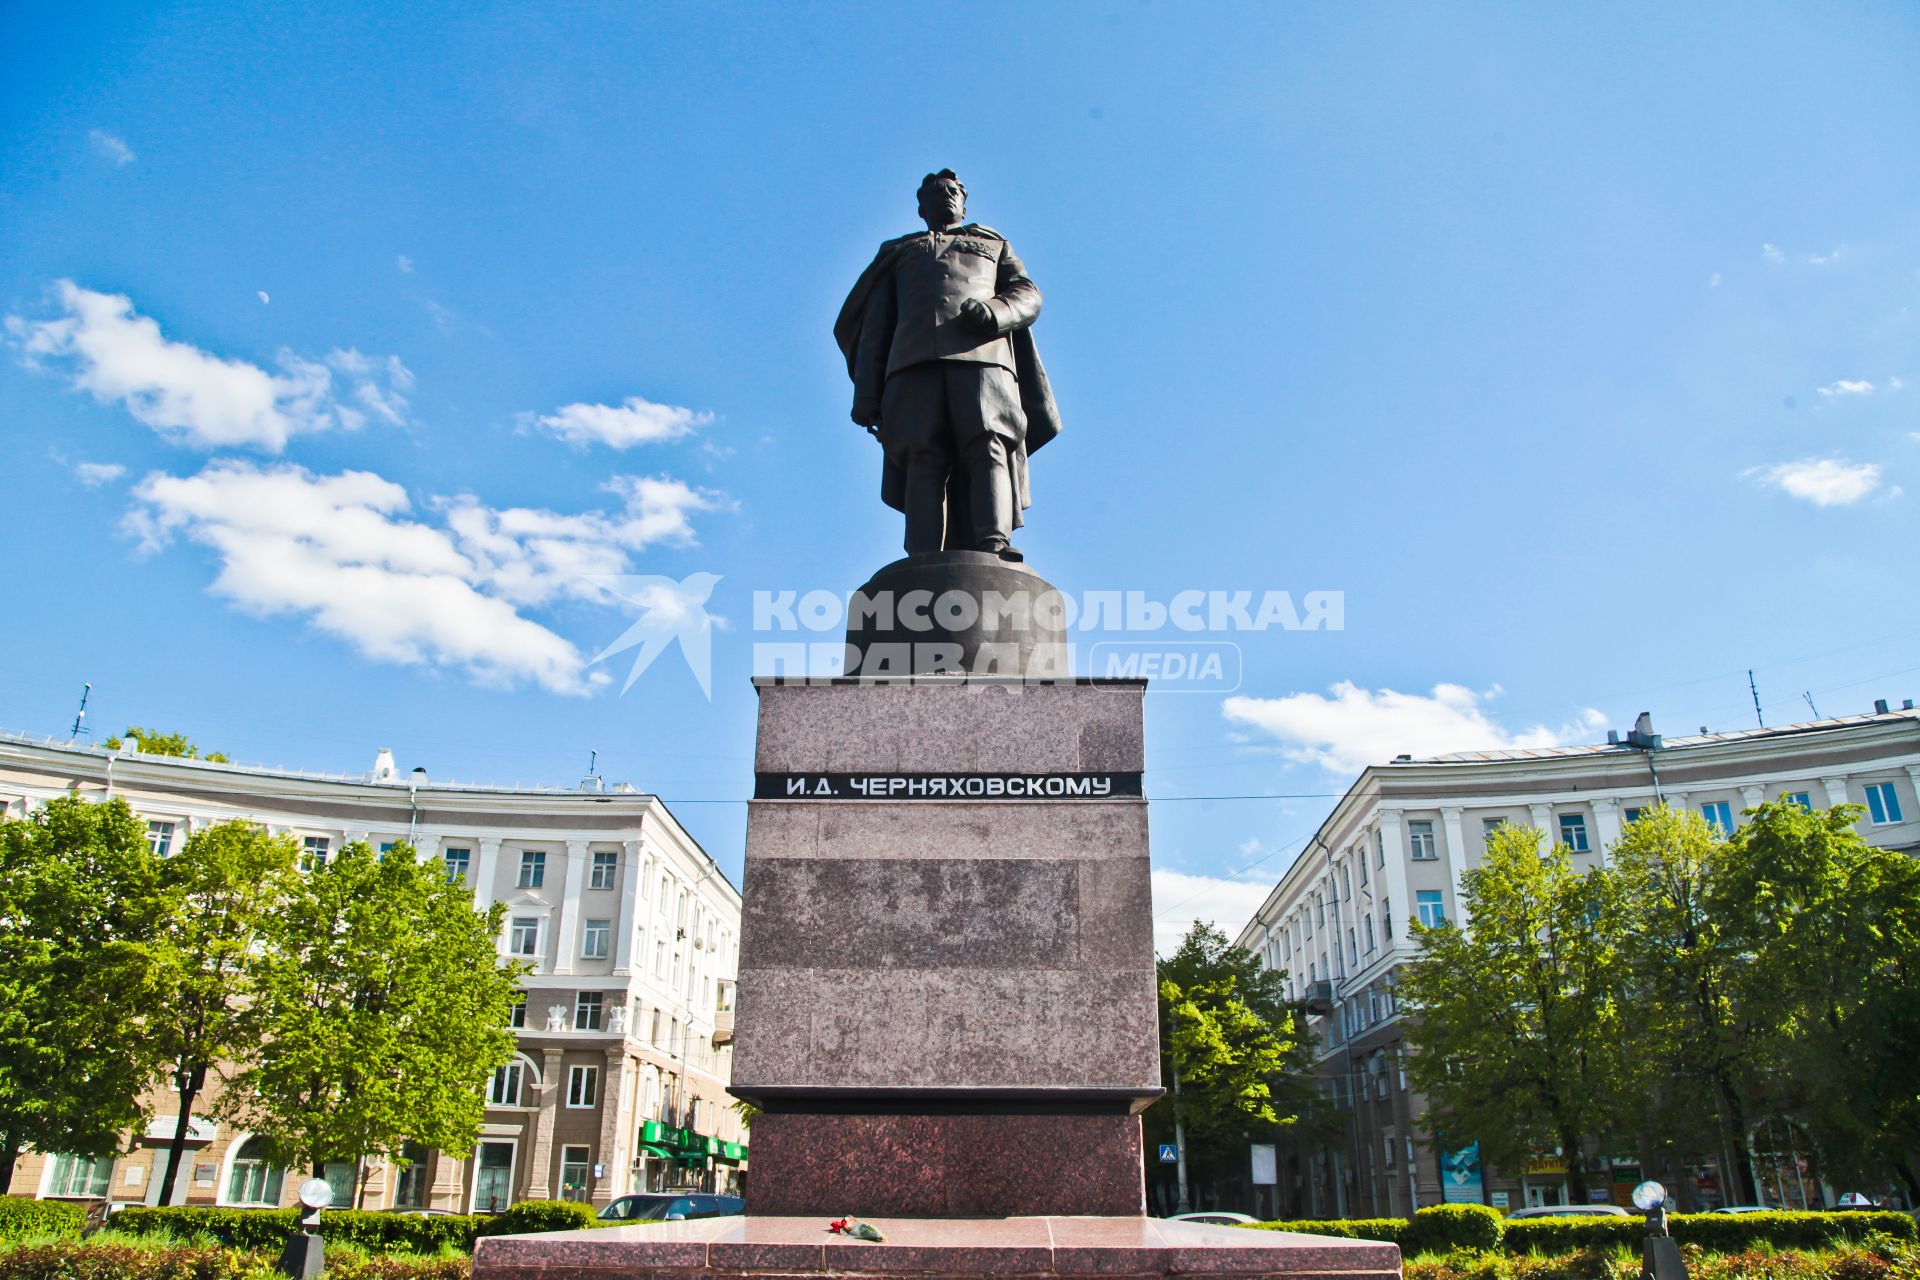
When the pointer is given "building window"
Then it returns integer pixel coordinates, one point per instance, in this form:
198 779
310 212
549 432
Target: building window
386 847
80 1176
1432 913
314 851
587 1009
517 1012
457 860
410 1186
1389 1150
1573 831
1719 816
533 869
593 940
1367 926
504 1089
525 940
603 871
583 1086
1319 909
1883 806
1353 949
1362 862
1420 836
574 1163
1633 815
253 1178
1386 923
1379 849
1800 798
160 838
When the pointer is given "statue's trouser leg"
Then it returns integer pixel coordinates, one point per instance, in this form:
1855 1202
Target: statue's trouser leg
983 402
914 421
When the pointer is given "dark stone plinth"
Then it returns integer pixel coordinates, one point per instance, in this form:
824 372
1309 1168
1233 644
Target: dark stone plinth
1044 1248
945 1165
964 612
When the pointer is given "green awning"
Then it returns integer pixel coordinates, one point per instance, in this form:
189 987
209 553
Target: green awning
655 1149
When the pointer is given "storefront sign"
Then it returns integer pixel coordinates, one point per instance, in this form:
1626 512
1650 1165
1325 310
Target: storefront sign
1460 1175
1266 1168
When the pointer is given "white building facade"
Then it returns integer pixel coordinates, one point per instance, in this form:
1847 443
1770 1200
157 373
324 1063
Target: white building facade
1394 850
619 1083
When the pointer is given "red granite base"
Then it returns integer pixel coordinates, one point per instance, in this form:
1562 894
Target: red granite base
945 1165
1043 1248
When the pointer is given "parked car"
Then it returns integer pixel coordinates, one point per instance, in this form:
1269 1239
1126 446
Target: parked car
671 1206
1742 1208
1214 1217
1571 1211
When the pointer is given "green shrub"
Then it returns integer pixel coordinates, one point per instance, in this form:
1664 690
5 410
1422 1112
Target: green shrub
1567 1235
21 1216
539 1215
1391 1230
269 1228
76 1261
1439 1228
1735 1232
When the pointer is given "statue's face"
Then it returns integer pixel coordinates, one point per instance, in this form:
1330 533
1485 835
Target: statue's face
942 203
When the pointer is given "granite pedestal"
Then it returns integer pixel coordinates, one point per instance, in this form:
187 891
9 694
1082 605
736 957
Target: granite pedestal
947 994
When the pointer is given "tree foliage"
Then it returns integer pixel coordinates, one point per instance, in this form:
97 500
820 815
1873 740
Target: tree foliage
382 1010
80 907
1227 1030
222 892
152 742
1518 1041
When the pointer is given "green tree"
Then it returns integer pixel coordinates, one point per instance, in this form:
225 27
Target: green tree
1516 1034
1694 1036
79 907
1230 1061
151 742
1832 925
222 893
382 1006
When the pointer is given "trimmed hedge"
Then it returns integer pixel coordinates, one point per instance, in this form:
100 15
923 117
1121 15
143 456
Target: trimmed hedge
22 1216
1437 1228
1443 1228
539 1215
186 1262
269 1228
1717 1232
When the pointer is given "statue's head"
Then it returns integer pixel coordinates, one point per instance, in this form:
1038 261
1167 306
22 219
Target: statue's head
943 200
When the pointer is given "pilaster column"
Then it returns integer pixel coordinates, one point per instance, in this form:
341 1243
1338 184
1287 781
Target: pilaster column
1836 790
539 1182
425 848
360 835
566 942
1541 816
616 1123
488 853
1456 864
1392 835
628 888
1606 824
1913 780
1753 797
448 1190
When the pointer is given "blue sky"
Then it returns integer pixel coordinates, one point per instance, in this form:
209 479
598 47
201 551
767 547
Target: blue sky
1577 348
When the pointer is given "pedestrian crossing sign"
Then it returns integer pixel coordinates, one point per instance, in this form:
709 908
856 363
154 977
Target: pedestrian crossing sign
1169 1154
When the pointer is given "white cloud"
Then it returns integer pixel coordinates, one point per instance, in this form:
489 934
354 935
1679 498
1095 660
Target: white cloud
192 397
1847 387
1821 259
1713 281
1825 482
346 553
404 263
262 295
111 147
95 474
633 421
1180 899
1354 727
1772 253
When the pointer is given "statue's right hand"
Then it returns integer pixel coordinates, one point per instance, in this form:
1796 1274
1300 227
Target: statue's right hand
866 414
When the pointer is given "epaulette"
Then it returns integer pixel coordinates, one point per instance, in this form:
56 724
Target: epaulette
975 228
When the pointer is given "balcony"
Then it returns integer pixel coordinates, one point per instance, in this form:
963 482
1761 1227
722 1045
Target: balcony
1320 997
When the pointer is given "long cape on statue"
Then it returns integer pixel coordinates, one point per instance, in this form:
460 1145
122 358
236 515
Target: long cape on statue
1036 393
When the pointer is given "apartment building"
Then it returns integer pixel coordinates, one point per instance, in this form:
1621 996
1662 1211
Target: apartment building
1394 849
619 1082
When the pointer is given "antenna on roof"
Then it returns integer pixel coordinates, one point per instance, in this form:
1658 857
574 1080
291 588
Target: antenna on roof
80 715
593 762
1816 711
1756 698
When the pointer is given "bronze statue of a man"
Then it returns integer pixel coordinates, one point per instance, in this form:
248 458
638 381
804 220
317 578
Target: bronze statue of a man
937 340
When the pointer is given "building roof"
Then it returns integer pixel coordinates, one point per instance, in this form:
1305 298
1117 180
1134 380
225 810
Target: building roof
1803 729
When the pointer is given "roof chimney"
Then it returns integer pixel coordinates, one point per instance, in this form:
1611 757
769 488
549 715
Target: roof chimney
1642 735
1879 706
1613 737
383 768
